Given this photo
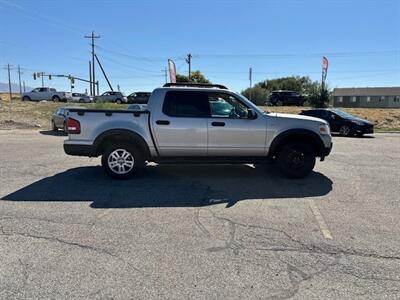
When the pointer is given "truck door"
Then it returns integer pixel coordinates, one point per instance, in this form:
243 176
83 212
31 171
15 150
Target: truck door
180 125
231 130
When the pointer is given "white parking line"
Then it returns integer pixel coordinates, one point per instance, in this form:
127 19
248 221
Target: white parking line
320 219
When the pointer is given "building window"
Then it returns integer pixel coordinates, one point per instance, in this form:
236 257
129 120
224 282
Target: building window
397 99
368 99
340 99
353 99
381 98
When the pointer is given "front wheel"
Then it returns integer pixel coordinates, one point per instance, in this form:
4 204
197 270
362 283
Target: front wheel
118 101
344 130
122 161
295 160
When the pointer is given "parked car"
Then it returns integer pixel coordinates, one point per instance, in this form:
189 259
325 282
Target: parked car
137 106
342 122
82 98
139 97
181 126
59 118
283 97
45 93
116 97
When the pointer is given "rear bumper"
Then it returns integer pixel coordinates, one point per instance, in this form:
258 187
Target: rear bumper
79 150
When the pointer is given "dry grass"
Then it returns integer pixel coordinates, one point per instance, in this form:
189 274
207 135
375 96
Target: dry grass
18 114
385 119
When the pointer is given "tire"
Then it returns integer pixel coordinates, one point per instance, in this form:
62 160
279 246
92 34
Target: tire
55 99
122 161
53 126
279 103
295 160
81 101
26 98
345 130
65 128
118 101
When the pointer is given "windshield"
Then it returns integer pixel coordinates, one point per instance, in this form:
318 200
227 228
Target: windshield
343 114
251 104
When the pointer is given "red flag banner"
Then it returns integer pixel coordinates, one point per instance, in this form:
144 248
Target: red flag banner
325 64
172 71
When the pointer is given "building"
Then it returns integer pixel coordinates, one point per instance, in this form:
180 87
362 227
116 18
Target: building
384 97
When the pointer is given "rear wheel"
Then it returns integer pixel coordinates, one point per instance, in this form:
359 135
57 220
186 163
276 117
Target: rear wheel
26 98
53 126
122 161
118 101
279 103
55 99
295 160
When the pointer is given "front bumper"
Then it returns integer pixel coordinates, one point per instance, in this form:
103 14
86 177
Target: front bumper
364 129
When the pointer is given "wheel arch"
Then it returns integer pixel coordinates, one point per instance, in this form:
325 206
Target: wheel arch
120 135
301 135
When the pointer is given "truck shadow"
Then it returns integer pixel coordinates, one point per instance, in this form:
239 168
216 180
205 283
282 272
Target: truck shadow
172 186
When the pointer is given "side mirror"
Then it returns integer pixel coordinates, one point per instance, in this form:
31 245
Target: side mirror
251 114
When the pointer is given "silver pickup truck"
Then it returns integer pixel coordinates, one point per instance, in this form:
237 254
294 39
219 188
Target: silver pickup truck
197 124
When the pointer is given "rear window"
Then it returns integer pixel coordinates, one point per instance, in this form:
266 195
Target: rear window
186 104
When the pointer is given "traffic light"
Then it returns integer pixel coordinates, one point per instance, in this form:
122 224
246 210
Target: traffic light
72 80
34 76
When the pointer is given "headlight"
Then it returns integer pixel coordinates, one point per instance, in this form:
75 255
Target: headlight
324 129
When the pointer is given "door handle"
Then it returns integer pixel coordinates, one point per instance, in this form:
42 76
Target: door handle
221 124
162 122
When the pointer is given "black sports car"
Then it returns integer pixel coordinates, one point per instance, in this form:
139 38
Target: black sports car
342 122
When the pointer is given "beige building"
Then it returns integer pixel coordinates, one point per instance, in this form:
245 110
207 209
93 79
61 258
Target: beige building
384 97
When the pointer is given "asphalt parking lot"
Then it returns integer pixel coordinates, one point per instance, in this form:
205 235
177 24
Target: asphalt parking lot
206 232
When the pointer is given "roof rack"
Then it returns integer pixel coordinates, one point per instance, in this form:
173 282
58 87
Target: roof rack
189 84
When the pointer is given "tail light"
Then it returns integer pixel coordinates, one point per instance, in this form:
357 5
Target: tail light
74 127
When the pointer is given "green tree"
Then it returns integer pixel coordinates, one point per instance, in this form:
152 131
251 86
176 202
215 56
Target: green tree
303 84
195 77
256 94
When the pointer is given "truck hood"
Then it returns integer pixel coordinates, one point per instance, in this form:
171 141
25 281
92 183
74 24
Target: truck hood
298 117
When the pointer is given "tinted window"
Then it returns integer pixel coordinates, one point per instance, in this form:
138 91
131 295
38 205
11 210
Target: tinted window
225 105
186 104
43 90
53 90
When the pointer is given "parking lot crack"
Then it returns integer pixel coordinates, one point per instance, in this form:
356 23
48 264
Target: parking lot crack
73 244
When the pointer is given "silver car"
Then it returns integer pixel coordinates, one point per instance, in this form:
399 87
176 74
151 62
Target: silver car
116 97
81 98
59 118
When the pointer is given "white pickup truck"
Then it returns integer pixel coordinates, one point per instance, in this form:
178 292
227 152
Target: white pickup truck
187 123
45 93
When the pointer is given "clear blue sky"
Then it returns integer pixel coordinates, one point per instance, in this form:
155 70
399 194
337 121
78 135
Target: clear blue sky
361 39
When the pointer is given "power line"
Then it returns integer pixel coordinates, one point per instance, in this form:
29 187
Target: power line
295 55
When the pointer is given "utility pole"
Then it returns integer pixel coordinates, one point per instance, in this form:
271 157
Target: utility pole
165 71
189 61
19 78
93 37
9 81
250 79
90 79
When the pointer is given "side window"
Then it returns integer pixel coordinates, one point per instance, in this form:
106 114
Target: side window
42 90
226 106
186 104
53 90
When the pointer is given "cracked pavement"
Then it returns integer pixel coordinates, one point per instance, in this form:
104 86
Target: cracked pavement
207 232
